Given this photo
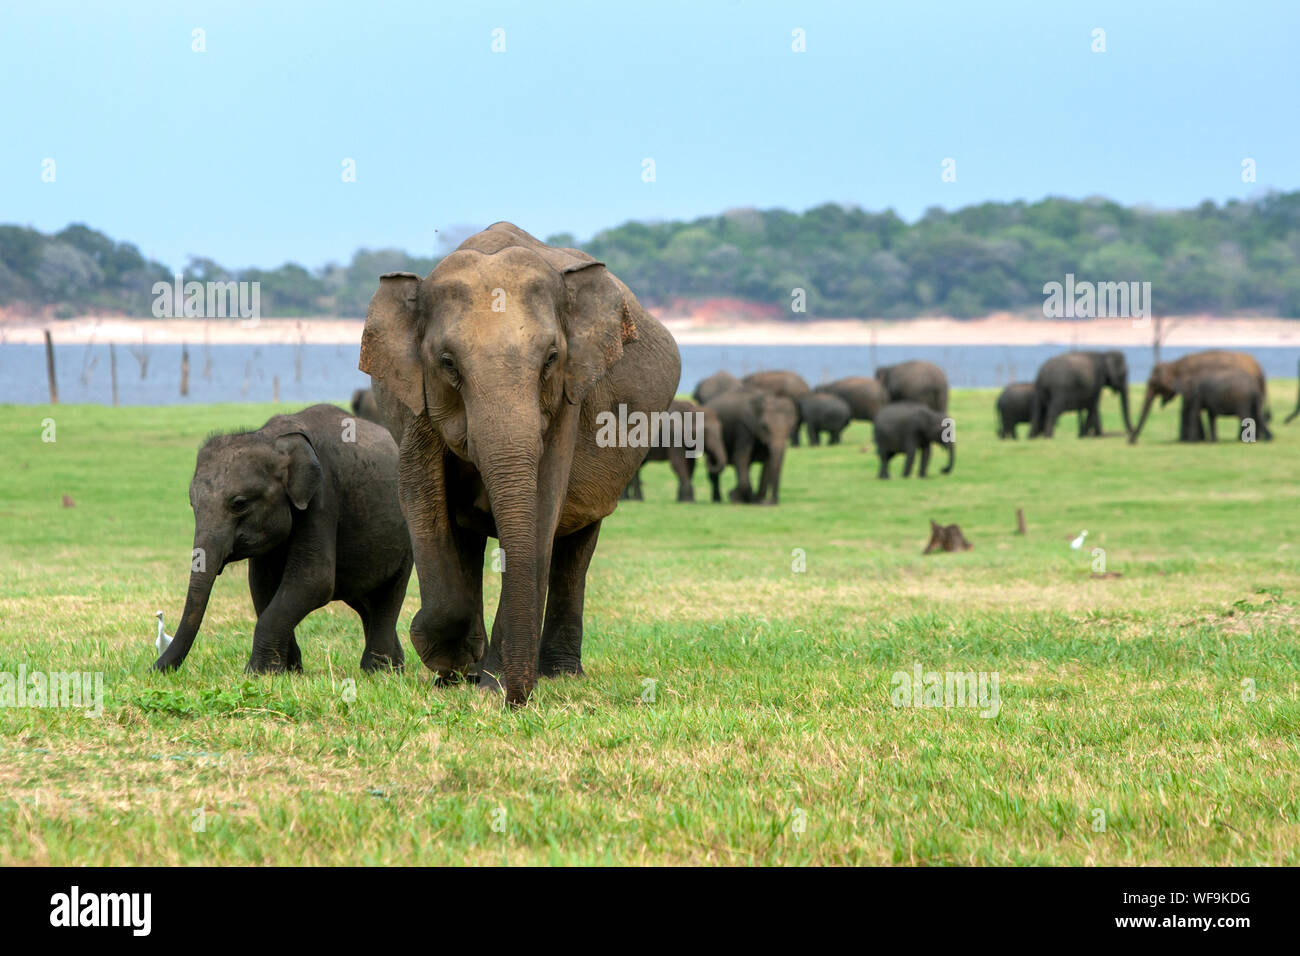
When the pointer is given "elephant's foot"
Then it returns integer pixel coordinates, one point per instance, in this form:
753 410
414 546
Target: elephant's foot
372 661
563 666
445 649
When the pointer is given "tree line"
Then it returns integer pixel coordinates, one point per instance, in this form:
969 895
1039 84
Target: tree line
1241 257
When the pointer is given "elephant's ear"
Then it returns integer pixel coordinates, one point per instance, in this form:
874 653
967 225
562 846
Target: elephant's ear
302 474
599 320
389 345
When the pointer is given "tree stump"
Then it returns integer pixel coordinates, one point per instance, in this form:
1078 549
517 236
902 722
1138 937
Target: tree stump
946 537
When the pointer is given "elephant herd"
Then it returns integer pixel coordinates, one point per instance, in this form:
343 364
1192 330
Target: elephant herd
494 380
1214 383
755 419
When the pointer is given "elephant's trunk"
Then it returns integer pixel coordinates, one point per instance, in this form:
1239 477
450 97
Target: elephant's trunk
1123 404
1142 419
1297 402
510 469
202 576
952 457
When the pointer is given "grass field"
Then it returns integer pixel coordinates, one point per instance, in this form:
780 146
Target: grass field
735 710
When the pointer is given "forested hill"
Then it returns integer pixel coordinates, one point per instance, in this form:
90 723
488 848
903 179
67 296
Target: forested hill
1241 257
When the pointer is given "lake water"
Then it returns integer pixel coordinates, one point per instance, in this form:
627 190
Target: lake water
311 373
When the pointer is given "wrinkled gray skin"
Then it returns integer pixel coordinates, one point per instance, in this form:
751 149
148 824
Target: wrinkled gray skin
1073 382
363 405
915 381
904 427
789 385
710 388
491 372
714 454
865 396
824 412
317 518
1229 392
1015 407
756 427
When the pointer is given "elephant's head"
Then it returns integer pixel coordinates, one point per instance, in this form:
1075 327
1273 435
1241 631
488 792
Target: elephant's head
245 490
1114 375
496 347
1162 383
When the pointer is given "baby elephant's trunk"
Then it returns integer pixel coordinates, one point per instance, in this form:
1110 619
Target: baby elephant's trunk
202 575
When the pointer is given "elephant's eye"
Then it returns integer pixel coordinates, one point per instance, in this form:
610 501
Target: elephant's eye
550 361
448 363
238 505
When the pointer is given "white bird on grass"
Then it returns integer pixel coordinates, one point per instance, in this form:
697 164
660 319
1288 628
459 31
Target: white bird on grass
1077 543
163 639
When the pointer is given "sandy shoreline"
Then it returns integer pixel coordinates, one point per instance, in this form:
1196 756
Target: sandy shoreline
1197 331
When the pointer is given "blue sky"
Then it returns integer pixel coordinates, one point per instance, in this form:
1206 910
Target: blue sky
236 153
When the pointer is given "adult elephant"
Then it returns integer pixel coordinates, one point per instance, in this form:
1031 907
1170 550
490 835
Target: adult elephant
865 396
756 427
1178 378
915 381
501 370
713 386
1015 406
786 384
1073 382
705 439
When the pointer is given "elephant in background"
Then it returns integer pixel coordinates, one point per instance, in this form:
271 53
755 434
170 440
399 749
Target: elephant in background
905 427
824 412
1179 377
1228 392
756 427
786 384
1296 410
1073 382
709 443
915 381
713 386
504 422
318 519
865 396
1015 406
364 406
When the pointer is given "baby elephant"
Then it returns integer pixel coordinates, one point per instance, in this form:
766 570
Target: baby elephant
311 501
824 412
1016 407
1229 392
903 427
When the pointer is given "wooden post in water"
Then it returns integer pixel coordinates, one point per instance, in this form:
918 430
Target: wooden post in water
275 389
49 368
185 370
112 370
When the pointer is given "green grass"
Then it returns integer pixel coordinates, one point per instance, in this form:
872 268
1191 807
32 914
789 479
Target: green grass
770 738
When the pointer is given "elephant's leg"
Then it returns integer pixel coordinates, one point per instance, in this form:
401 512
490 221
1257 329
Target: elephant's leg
741 460
678 461
909 449
884 464
814 435
562 628
302 590
264 575
835 435
1050 415
925 458
1213 429
715 481
379 620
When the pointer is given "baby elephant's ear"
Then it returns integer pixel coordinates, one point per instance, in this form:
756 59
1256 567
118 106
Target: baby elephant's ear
302 473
